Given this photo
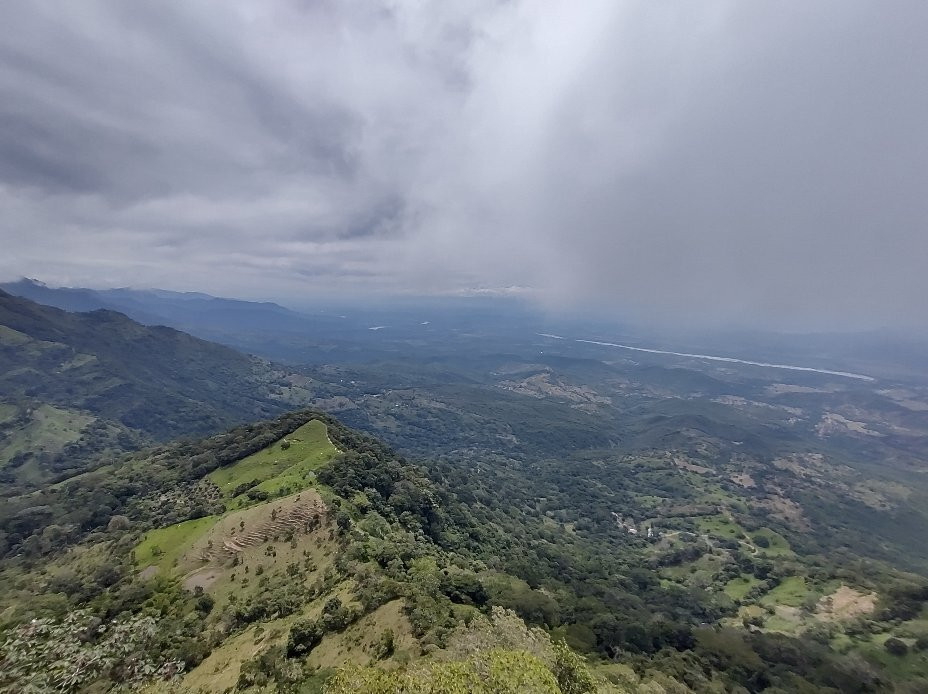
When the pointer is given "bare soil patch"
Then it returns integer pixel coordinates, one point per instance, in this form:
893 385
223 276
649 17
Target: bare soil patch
685 464
787 511
845 603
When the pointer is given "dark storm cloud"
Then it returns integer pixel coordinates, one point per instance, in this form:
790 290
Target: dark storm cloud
757 162
788 182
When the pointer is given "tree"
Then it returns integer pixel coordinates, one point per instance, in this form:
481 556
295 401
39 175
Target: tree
118 523
571 671
385 645
304 637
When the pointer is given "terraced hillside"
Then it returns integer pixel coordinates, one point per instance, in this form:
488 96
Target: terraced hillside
274 563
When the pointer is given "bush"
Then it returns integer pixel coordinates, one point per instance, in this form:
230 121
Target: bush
571 672
304 637
385 645
204 604
895 646
244 487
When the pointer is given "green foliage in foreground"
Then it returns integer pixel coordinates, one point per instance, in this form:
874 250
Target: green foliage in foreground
398 532
489 655
67 655
497 672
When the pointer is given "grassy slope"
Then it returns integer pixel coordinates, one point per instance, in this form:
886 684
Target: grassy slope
277 466
48 430
273 555
220 670
721 526
912 664
738 588
164 547
182 546
778 547
791 592
175 546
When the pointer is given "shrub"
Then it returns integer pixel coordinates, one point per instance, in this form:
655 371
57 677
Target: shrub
385 645
571 672
304 637
896 646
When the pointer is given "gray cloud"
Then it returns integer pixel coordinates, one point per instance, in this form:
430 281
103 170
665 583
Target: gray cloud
721 161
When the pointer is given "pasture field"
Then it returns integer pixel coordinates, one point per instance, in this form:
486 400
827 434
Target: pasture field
282 464
163 547
738 588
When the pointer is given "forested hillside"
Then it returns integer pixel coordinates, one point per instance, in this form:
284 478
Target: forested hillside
216 567
298 555
74 386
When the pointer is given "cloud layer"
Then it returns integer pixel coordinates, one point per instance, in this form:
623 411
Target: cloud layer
755 162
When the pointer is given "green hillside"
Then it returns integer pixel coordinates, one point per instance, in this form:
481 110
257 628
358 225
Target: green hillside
283 593
77 386
287 466
366 573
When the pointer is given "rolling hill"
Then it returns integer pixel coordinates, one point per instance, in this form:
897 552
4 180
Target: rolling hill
576 524
297 555
75 384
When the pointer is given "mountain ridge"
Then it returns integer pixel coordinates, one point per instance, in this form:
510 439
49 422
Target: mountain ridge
135 381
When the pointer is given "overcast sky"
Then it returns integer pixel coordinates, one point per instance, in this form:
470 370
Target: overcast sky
757 162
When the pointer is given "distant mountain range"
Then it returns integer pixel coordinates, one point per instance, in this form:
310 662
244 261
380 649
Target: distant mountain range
263 328
424 327
365 331
162 307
